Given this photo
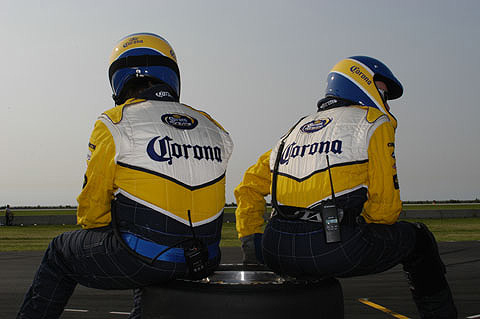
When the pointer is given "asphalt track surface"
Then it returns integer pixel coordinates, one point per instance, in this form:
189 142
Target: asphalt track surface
387 293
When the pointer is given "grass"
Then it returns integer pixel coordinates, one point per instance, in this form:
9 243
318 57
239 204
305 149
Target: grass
454 229
41 212
441 206
17 238
231 210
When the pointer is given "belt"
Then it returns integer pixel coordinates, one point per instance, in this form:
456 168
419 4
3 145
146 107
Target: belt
309 214
151 250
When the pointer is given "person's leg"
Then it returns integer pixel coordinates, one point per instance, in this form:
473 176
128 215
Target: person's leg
92 258
426 273
414 246
51 287
380 247
136 312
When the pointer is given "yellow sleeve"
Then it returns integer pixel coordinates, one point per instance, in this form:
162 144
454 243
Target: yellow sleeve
383 205
97 193
250 195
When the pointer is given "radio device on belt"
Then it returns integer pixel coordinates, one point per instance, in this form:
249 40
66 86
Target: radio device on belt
328 210
196 256
331 224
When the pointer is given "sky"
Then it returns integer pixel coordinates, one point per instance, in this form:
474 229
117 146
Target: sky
254 66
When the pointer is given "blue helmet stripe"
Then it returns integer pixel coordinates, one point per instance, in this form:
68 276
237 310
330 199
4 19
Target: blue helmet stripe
140 51
341 85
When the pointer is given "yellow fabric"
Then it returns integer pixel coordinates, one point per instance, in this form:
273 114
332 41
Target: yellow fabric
383 205
250 196
205 202
94 200
306 193
373 114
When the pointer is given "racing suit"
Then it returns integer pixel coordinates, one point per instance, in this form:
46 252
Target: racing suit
159 166
360 144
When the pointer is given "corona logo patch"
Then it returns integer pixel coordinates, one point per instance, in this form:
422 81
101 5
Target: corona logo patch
324 147
180 121
315 125
165 149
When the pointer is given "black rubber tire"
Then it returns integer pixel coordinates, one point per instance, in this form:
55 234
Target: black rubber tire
296 299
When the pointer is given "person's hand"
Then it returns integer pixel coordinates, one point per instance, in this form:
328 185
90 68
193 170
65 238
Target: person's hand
252 249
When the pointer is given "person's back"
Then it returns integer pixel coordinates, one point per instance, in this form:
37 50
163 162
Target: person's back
343 133
165 169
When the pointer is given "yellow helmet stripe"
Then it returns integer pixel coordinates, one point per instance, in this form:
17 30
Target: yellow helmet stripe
143 41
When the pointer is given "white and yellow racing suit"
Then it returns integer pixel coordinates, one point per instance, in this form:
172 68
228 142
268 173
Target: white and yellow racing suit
360 142
164 163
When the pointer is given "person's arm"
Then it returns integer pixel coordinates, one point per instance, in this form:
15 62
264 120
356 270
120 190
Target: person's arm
383 205
250 195
95 199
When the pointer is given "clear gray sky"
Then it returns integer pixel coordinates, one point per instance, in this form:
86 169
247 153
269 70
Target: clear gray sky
255 66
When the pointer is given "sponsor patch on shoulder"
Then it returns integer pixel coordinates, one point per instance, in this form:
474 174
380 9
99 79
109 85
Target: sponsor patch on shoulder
315 125
180 121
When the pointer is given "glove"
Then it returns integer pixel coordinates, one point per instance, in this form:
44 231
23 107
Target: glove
252 249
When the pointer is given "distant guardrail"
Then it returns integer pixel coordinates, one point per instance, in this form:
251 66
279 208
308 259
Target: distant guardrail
230 217
43 220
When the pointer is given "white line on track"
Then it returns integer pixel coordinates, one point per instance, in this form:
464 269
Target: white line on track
75 310
474 316
119 313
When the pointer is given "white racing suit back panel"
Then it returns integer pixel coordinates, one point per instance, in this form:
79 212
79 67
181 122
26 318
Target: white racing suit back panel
342 133
170 158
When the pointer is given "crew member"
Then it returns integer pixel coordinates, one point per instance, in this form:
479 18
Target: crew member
336 197
152 202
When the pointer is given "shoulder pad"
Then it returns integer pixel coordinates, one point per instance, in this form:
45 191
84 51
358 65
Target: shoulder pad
207 116
373 113
115 114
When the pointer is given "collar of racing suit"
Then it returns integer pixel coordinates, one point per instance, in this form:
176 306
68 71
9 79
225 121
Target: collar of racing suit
159 92
331 102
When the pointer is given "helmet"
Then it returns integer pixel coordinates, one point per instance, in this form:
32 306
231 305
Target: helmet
354 79
142 55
